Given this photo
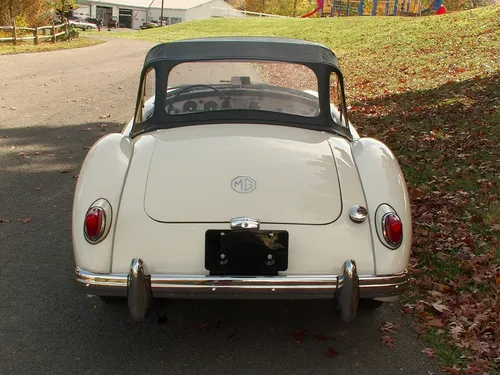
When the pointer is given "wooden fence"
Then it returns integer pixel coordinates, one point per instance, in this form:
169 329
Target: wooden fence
39 33
257 14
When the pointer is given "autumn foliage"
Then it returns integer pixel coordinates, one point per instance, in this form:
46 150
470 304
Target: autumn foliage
32 13
24 12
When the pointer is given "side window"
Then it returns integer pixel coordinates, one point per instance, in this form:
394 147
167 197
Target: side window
148 89
149 84
338 111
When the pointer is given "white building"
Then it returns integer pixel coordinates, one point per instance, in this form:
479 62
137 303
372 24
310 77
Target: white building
133 13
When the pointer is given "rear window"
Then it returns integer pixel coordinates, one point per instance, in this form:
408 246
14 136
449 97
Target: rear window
278 87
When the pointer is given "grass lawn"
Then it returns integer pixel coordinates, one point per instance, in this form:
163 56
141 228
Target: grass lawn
24 47
377 54
429 88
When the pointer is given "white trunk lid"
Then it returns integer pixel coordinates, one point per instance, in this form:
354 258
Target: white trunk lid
213 173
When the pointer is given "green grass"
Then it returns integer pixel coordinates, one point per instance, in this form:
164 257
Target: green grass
414 176
396 53
449 355
9 49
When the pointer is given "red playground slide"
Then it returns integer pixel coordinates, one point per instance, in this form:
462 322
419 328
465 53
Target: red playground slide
318 8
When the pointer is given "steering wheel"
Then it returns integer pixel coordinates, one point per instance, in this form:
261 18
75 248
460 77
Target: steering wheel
189 87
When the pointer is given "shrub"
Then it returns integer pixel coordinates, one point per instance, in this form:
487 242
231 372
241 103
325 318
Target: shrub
71 34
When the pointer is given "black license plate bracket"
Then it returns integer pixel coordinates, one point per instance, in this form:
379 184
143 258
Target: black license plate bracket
246 252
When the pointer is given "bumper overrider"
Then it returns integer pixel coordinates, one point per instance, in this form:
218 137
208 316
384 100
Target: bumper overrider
140 287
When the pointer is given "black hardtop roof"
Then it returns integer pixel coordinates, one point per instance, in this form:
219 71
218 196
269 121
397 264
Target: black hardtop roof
245 48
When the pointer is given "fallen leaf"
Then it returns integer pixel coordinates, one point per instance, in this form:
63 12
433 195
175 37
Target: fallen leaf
455 331
24 220
64 170
419 329
438 305
389 327
4 221
451 370
434 323
388 341
429 352
37 188
406 309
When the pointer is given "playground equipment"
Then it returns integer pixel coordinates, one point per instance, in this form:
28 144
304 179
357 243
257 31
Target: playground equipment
333 8
318 9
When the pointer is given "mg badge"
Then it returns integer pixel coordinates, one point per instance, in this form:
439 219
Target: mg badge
243 184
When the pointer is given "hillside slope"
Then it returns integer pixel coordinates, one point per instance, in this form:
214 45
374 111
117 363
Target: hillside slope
377 54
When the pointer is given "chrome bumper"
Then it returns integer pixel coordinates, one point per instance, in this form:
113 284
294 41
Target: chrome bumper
140 287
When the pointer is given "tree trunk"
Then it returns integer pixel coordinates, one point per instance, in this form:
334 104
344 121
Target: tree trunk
11 13
294 7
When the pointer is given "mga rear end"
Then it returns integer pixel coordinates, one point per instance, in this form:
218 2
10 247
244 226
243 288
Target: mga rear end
241 176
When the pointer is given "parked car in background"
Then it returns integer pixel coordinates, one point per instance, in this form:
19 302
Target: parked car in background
92 20
82 24
149 25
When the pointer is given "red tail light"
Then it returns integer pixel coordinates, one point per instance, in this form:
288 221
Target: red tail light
393 229
97 221
94 223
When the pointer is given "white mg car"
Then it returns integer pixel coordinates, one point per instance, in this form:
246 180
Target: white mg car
240 176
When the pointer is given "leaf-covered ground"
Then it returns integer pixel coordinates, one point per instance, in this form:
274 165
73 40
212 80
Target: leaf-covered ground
448 143
429 88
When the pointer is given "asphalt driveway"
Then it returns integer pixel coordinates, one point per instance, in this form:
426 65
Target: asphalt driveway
53 106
